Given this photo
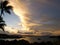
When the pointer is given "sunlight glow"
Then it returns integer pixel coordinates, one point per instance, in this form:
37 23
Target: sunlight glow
20 10
11 30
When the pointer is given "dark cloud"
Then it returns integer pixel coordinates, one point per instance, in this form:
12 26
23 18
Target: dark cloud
46 33
45 12
42 14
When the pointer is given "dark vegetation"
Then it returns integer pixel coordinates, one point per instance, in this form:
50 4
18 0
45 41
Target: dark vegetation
24 42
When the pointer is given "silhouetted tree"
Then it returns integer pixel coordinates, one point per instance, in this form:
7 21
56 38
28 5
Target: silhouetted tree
4 8
2 23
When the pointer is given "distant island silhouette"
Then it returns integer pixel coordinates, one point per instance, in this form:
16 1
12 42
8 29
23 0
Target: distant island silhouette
5 36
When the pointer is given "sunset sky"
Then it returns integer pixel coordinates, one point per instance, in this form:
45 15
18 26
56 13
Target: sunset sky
34 17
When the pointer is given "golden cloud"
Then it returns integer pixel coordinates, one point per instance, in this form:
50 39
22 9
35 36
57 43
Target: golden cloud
11 30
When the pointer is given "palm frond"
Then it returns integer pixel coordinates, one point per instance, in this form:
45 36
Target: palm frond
2 23
5 3
9 7
8 11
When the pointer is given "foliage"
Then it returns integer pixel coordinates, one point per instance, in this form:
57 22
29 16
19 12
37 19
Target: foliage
4 8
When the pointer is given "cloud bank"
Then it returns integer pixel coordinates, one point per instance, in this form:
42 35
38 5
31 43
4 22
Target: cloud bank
38 15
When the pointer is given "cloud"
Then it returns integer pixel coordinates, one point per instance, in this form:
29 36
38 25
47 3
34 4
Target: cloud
11 30
46 33
38 14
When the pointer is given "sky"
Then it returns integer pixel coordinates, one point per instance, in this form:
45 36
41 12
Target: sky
34 17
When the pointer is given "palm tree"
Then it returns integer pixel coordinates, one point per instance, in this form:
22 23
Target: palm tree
2 23
4 8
